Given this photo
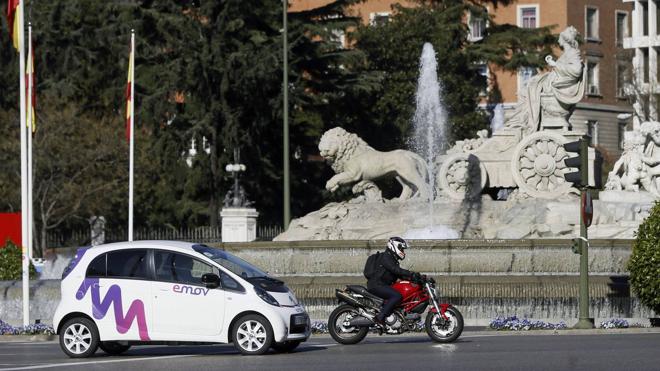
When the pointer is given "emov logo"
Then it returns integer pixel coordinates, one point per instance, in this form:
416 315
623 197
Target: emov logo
113 296
183 289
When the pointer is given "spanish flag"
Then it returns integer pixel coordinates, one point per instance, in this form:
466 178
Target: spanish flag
129 97
31 93
13 12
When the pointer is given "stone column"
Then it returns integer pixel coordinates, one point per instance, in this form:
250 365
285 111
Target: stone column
239 224
97 227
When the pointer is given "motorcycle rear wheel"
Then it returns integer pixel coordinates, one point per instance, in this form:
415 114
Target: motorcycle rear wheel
444 331
341 333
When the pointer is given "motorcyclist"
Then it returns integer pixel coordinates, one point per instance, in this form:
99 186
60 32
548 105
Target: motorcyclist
387 272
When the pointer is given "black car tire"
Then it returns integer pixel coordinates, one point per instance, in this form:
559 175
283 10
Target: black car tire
252 335
79 337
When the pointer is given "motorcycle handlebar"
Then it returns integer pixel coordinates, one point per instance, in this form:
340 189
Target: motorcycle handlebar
422 279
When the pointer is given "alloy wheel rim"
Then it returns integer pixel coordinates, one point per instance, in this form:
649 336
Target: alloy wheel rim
77 338
447 329
340 324
251 336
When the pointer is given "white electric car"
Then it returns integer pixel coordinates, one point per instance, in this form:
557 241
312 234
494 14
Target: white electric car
166 292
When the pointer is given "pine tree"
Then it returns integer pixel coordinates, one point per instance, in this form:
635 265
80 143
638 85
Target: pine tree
394 49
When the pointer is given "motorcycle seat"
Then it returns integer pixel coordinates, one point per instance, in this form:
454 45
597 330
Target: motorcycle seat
364 292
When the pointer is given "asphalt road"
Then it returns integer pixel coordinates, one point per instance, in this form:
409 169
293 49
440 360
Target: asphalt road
473 351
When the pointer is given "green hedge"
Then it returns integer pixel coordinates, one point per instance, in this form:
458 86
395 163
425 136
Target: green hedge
10 263
644 264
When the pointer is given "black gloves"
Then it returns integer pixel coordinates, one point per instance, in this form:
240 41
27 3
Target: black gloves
416 277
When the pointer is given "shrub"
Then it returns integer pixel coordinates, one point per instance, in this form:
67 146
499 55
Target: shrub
644 263
10 263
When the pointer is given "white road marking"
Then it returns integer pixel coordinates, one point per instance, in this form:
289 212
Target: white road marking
4 344
52 365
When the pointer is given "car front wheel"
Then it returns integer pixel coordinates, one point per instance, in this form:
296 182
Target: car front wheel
252 335
79 337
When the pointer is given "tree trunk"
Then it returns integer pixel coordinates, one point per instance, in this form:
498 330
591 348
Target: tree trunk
213 201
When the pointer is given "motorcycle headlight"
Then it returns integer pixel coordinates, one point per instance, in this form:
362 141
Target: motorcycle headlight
265 296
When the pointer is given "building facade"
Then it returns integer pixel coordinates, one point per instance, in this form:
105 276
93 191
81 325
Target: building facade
644 44
605 25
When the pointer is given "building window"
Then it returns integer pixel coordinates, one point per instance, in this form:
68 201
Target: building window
338 37
621 27
622 134
593 87
528 16
477 26
524 74
645 18
379 18
645 65
592 132
592 23
482 70
622 78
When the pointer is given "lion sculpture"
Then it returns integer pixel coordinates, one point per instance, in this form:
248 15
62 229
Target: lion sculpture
355 161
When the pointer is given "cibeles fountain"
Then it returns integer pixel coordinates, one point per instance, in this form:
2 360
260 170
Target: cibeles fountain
506 185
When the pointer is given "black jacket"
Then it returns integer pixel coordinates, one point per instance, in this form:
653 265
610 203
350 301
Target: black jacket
388 271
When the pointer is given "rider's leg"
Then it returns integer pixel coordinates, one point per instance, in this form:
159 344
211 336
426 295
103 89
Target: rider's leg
392 299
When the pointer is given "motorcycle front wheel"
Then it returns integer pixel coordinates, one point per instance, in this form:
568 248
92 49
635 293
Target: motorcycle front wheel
339 328
444 330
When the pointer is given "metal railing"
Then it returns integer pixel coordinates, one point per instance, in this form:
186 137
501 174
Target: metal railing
82 237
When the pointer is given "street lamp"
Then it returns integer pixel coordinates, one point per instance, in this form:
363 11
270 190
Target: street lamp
237 198
285 91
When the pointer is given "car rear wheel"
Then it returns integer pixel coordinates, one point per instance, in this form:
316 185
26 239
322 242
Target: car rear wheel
252 335
113 347
79 337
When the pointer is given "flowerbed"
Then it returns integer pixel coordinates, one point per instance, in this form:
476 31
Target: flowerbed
35 329
618 323
517 324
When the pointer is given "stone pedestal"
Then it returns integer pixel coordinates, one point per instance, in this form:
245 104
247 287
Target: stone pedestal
239 224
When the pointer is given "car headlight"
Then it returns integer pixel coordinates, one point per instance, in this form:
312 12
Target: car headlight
265 296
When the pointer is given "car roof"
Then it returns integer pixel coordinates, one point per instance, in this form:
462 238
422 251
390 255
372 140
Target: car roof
173 245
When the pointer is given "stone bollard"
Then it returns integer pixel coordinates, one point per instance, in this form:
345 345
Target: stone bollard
239 224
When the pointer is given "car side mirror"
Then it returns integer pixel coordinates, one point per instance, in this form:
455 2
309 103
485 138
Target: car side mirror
211 280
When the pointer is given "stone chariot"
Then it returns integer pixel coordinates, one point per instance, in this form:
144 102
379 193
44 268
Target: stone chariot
527 153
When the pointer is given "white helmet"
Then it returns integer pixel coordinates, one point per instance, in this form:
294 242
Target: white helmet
397 245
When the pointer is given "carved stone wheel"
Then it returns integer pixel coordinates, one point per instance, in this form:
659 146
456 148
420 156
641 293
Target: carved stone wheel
538 165
461 175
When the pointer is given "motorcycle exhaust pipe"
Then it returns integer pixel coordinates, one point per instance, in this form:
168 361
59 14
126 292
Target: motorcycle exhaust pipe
341 295
361 322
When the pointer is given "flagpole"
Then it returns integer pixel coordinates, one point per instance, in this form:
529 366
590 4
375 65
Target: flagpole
30 89
132 138
25 211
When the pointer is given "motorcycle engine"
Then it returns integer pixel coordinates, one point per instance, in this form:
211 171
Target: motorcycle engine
393 321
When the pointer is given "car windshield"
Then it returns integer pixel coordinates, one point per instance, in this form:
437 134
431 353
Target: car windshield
235 264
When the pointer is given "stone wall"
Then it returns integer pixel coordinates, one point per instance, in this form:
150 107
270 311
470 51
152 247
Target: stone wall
437 257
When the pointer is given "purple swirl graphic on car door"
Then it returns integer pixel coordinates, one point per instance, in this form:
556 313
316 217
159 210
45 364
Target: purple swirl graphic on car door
113 296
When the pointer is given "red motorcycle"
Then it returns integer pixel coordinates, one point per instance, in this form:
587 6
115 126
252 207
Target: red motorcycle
350 322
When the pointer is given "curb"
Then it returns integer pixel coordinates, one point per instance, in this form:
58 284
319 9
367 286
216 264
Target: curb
26 338
595 331
625 331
